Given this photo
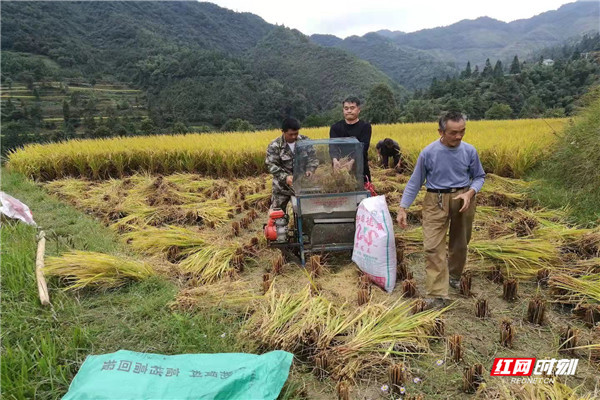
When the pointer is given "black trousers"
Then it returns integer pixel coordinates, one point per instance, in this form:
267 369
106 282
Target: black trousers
385 160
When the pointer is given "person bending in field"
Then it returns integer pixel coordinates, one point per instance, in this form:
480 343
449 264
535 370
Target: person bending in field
453 175
387 148
280 162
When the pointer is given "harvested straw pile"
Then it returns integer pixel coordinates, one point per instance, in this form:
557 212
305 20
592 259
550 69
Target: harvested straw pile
175 241
236 295
142 200
80 269
572 290
500 191
215 261
411 240
522 258
353 339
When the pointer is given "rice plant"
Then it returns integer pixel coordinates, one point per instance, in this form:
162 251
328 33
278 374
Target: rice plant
535 391
482 308
456 349
234 295
353 339
380 330
568 340
472 378
213 261
522 258
512 149
178 241
81 269
569 289
507 333
363 296
536 310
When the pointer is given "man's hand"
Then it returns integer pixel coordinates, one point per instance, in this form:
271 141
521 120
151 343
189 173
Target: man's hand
347 165
289 180
466 198
336 164
401 218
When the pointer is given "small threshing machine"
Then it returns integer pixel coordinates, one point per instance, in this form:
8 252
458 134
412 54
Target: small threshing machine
325 203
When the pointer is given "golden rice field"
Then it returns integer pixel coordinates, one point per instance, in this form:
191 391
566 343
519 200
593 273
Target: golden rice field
205 234
192 208
506 148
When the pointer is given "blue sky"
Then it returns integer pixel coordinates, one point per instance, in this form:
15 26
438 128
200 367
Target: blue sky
357 17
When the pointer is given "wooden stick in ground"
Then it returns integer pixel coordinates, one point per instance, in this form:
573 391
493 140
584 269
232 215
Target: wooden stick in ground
39 273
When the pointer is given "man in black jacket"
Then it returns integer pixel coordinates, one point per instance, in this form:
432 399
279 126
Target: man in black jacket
351 126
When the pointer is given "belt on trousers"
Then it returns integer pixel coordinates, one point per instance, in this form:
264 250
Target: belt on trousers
450 190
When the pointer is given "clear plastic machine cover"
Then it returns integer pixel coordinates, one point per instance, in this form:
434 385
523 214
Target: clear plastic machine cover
316 172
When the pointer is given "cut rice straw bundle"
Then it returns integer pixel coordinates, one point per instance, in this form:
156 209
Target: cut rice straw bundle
549 217
521 257
82 269
212 212
585 242
584 267
151 240
191 182
214 261
260 200
71 190
377 331
499 183
412 240
143 215
289 321
235 295
568 289
353 339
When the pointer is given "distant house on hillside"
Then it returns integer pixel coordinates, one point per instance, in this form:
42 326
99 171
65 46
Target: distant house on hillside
591 54
548 62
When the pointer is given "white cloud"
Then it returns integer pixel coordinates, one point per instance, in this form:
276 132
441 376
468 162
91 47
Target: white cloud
357 17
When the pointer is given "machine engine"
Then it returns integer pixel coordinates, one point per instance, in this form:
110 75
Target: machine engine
277 227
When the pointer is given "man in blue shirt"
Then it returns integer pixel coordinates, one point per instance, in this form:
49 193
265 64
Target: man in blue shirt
453 175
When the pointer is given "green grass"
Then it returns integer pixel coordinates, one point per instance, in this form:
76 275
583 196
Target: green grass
43 347
571 175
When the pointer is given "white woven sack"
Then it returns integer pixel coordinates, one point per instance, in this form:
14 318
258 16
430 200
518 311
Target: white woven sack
374 242
13 208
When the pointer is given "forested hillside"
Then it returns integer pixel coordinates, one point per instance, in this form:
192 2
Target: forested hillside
413 68
198 66
100 69
547 87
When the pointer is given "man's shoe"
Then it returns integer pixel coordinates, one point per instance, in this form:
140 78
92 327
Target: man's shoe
454 283
434 302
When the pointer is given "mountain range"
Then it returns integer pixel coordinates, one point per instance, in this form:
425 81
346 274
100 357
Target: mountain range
445 50
201 64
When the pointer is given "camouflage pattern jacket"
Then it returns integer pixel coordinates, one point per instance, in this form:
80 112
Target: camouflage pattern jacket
280 163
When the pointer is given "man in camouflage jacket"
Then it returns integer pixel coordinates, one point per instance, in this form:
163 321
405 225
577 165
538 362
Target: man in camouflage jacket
280 162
